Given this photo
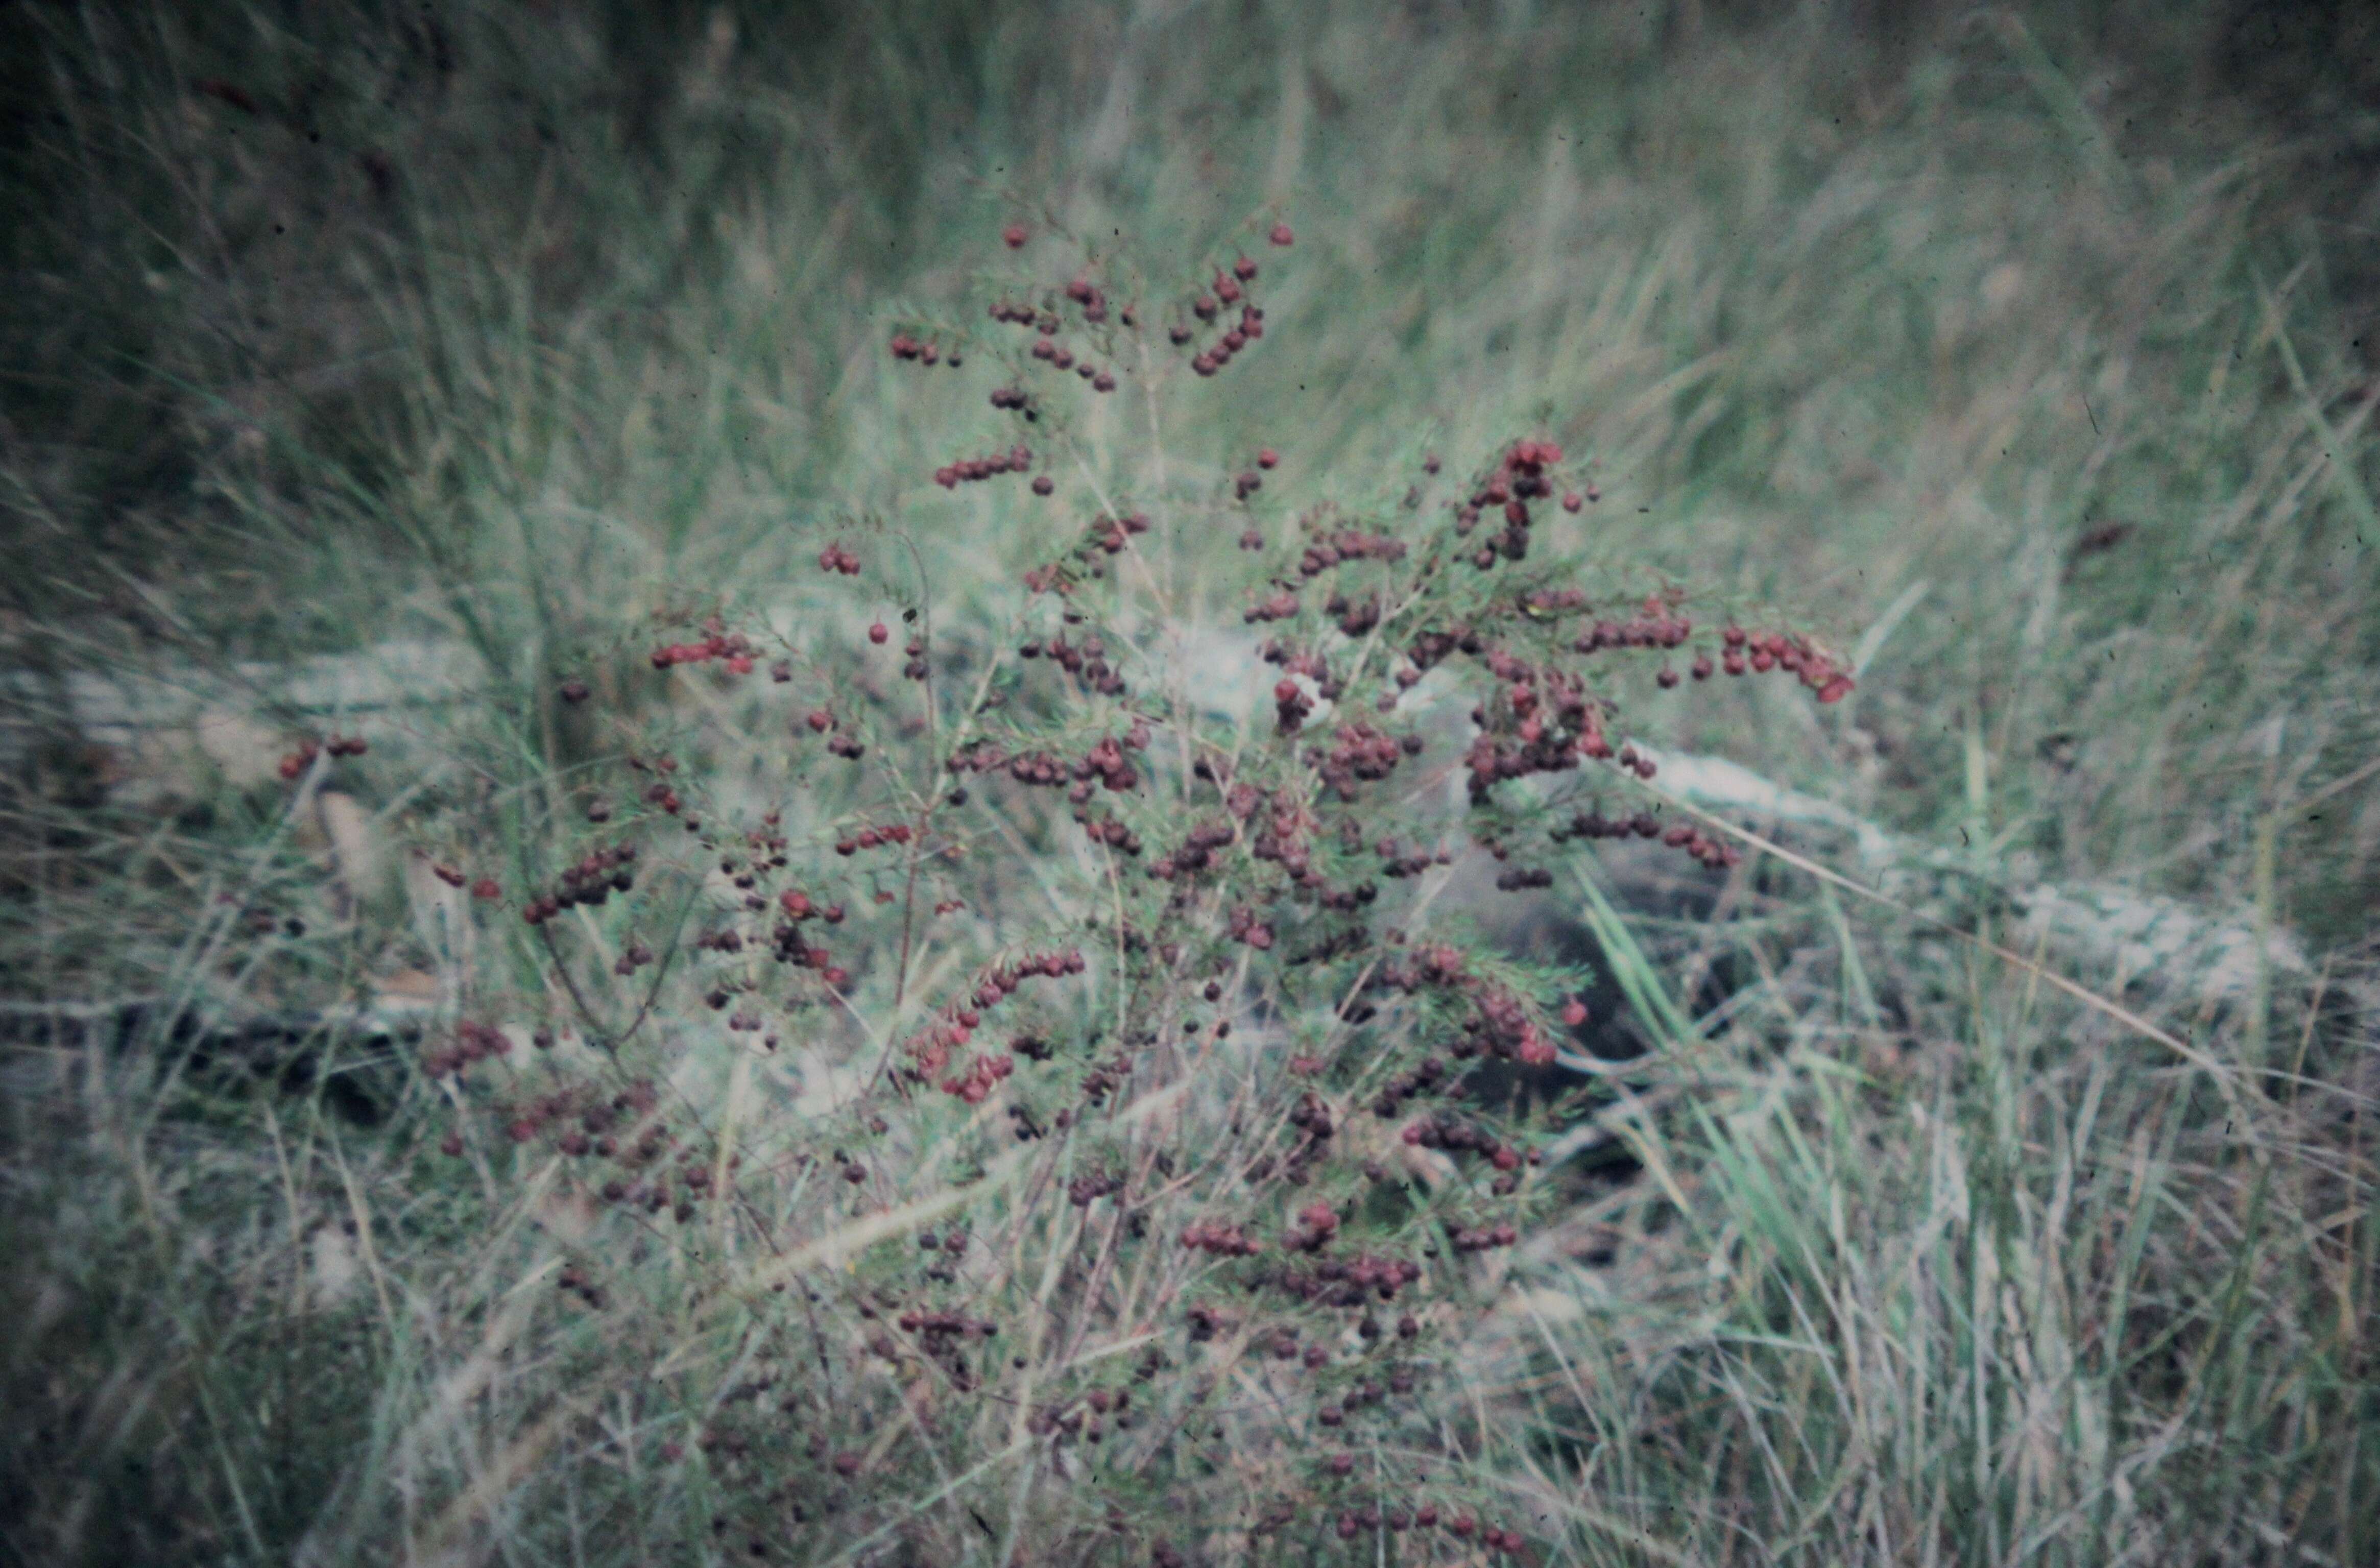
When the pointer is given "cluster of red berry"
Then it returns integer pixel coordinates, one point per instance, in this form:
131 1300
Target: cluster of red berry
1484 1238
1205 1321
1397 863
797 905
839 741
1293 703
906 347
1518 478
789 946
295 763
1501 1024
1352 1281
983 1073
734 651
1195 854
574 1279
1220 1240
591 882
872 838
1228 288
1279 605
943 1324
1426 1076
1311 1115
930 1049
486 889
1359 753
1243 926
1542 720
1048 351
1340 546
967 471
1317 1223
1111 831
1091 1187
1780 650
1083 1419
472 1042
1654 625
1456 1135
1716 853
1462 1527
1103 763
624 1129
1085 660
1109 534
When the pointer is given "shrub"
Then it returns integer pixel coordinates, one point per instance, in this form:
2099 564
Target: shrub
1012 1099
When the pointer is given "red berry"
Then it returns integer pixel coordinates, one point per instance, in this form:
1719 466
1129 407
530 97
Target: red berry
486 889
1573 1013
1015 235
1281 234
879 632
1043 484
1268 458
1572 502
